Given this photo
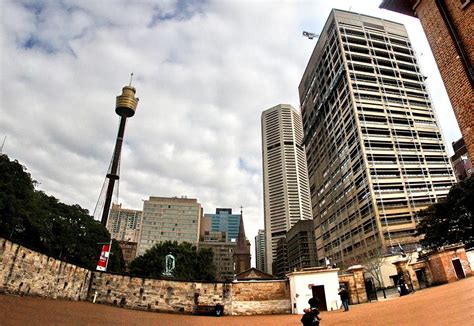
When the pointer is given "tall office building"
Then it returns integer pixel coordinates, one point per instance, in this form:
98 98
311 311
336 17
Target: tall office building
260 250
375 153
223 220
448 27
285 176
223 253
124 224
169 219
301 246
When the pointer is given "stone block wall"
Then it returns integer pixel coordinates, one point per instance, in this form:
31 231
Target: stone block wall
261 297
238 298
355 285
27 272
156 295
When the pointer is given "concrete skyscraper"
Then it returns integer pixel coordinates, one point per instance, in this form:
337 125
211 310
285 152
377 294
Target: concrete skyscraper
285 176
124 224
374 149
260 250
169 219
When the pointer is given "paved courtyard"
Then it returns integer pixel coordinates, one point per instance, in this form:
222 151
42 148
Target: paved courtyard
450 304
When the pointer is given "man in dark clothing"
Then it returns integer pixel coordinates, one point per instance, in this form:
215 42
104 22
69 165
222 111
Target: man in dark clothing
310 317
313 303
344 298
402 287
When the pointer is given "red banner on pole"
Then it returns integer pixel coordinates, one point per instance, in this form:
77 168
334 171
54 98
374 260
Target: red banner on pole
104 257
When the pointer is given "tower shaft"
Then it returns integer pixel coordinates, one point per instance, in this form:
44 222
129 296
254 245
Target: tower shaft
113 176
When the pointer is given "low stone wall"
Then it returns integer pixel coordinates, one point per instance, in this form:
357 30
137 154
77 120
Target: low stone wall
261 297
156 295
27 272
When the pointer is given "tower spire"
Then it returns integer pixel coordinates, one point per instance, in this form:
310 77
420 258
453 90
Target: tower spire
242 248
241 245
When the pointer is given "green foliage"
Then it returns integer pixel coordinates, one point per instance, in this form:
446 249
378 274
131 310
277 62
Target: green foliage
116 261
190 263
450 221
43 223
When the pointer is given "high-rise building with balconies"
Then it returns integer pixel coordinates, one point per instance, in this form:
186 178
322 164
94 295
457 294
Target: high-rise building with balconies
124 224
285 176
374 149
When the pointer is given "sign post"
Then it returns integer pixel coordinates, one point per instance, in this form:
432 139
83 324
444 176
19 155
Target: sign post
104 257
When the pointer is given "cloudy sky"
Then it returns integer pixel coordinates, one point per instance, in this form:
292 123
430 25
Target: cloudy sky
204 71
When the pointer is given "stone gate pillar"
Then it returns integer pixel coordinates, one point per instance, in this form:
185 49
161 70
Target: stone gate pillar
359 283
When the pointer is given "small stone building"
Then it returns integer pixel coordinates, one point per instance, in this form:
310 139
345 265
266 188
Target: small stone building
445 265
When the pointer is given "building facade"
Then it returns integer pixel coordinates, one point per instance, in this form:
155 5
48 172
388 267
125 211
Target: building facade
280 262
374 149
223 251
223 220
285 177
301 247
449 29
461 164
169 219
124 224
260 250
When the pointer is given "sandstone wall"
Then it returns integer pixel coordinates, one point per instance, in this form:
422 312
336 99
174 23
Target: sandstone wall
355 285
156 295
261 297
26 272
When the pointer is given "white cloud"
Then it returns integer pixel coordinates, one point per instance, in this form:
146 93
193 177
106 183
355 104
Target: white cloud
204 71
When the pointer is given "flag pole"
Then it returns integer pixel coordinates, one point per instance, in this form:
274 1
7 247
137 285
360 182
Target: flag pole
110 251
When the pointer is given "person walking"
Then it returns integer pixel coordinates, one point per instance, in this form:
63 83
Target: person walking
344 297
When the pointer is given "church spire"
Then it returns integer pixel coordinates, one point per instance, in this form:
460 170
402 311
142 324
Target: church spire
242 248
241 239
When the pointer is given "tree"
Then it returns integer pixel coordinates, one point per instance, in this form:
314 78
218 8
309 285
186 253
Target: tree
16 198
191 264
43 223
451 220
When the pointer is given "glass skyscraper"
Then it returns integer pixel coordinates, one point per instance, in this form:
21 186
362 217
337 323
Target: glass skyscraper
224 221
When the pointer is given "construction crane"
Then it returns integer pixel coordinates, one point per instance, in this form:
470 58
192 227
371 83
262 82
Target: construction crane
310 35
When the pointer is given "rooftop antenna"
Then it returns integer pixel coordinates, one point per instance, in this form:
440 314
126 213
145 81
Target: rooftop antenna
310 35
3 143
131 77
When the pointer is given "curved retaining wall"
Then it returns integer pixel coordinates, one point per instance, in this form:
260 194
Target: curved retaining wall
26 272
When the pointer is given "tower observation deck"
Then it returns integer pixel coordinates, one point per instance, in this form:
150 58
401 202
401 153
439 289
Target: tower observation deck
125 107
